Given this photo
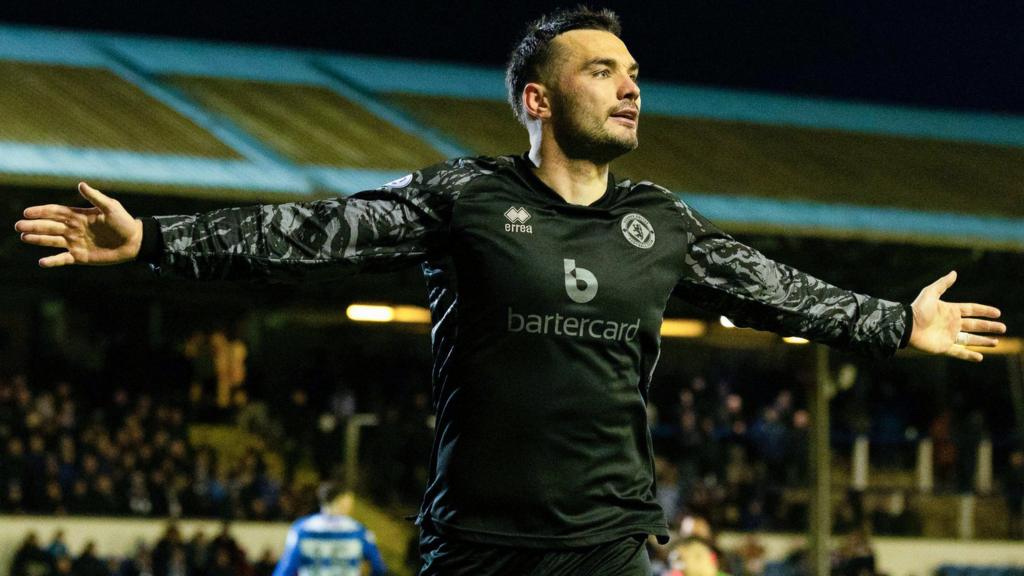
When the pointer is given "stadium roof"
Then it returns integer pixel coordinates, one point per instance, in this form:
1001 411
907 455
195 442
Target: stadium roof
218 120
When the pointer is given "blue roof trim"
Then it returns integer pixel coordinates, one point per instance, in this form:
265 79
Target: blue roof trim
48 46
889 222
171 170
834 115
348 87
124 166
380 74
376 74
350 181
219 126
177 170
237 61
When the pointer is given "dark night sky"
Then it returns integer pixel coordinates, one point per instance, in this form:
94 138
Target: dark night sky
954 54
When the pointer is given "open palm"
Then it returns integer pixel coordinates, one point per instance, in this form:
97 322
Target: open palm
102 235
938 324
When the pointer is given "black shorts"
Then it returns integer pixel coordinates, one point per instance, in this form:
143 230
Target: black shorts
450 557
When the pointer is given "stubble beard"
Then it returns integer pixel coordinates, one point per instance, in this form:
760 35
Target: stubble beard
585 136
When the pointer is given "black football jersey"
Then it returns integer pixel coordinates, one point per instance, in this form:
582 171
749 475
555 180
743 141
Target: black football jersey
546 326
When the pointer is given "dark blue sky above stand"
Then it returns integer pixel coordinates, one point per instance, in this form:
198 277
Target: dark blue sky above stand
950 54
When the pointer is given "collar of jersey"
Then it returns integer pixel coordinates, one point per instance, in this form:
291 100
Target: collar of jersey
524 167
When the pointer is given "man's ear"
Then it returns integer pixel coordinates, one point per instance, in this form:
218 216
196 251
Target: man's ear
536 101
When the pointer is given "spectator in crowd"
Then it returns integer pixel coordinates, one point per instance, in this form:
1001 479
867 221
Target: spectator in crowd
855 557
693 556
265 565
58 547
139 565
1014 486
165 552
895 518
968 435
88 564
29 559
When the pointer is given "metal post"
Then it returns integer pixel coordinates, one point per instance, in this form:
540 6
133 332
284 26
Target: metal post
983 469
820 528
352 432
925 469
861 459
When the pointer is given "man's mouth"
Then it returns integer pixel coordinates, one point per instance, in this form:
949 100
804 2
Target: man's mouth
628 116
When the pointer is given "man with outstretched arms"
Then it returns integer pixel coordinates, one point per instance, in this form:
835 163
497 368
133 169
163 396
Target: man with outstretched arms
547 280
330 543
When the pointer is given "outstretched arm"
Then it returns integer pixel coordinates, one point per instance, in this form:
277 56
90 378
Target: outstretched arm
393 226
736 280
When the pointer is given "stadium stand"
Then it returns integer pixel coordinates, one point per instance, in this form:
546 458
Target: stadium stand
311 124
94 108
301 123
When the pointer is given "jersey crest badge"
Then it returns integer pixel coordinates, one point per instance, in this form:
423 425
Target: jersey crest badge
638 230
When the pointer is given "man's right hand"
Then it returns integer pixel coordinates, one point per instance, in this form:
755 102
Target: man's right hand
99 236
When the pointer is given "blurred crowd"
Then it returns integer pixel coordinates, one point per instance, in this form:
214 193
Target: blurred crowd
171 555
726 456
742 461
124 456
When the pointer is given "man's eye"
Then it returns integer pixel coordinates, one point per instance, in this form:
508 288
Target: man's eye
603 73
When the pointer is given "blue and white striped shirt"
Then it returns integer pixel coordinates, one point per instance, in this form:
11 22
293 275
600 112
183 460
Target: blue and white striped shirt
329 545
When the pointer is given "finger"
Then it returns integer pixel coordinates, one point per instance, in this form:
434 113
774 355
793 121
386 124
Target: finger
978 310
961 353
982 326
95 197
986 341
943 284
62 259
40 227
51 211
48 241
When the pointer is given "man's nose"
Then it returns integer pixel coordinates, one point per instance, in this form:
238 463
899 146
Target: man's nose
629 89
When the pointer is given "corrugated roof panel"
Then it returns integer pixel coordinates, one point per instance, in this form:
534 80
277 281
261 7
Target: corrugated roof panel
771 161
311 124
60 105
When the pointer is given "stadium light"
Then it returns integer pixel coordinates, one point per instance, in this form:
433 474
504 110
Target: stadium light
795 340
1005 346
681 328
726 322
381 313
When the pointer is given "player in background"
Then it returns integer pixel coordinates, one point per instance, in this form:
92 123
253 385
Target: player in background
694 556
330 543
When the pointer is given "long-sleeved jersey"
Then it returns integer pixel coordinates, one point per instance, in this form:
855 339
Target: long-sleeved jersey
329 545
546 326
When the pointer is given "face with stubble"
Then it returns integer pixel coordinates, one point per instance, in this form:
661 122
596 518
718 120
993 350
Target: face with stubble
595 100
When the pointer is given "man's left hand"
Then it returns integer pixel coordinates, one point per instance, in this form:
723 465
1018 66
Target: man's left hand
950 327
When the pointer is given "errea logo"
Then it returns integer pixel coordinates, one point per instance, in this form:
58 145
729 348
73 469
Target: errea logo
517 218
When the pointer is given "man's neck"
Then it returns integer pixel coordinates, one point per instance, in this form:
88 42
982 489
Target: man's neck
580 182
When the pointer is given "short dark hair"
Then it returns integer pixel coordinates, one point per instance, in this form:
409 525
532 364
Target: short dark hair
530 58
329 491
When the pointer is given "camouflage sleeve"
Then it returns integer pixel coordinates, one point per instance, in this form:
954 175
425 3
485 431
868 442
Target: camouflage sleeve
730 278
393 226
